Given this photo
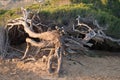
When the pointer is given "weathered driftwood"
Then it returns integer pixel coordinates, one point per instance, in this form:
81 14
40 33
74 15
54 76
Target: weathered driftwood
53 39
3 42
72 40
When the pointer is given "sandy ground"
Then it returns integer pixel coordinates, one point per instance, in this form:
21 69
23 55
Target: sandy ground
77 67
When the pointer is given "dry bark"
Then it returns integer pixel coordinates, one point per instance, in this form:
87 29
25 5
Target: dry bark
4 42
60 39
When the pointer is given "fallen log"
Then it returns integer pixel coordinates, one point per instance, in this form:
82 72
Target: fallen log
72 40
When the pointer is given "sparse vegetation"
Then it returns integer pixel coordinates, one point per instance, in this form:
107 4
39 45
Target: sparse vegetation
64 14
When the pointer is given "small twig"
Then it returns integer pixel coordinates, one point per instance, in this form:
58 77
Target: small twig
16 49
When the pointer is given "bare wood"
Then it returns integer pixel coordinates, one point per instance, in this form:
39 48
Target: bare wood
28 46
16 49
52 41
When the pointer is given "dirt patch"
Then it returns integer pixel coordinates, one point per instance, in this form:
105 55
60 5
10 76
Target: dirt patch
76 67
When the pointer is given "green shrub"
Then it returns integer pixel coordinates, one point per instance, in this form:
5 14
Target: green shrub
64 15
111 6
2 11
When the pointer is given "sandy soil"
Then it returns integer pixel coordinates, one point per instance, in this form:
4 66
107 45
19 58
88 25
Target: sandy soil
76 67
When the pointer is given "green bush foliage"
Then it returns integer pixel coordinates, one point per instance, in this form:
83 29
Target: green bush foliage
111 6
105 11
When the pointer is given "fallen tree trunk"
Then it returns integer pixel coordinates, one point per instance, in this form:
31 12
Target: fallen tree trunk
61 39
3 42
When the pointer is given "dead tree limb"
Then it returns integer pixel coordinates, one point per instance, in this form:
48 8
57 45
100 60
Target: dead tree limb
74 39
